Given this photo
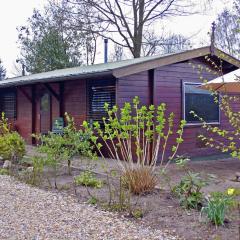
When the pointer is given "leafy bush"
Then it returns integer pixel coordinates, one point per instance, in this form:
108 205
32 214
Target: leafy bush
52 146
63 147
88 179
60 147
138 135
12 145
4 171
76 142
217 206
189 190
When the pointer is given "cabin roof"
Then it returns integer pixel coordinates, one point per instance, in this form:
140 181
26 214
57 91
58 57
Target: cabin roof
117 69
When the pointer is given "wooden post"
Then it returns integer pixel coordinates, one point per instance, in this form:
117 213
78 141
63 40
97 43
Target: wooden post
151 85
61 99
33 88
151 73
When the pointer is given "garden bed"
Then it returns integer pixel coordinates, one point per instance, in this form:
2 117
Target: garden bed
160 209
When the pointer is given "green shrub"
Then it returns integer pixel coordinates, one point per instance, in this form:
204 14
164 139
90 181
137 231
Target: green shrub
4 171
189 190
12 146
63 147
88 179
217 206
137 137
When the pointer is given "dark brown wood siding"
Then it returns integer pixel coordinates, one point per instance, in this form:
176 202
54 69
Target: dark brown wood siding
75 98
131 86
167 88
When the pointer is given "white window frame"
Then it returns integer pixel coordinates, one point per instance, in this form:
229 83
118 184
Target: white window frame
184 111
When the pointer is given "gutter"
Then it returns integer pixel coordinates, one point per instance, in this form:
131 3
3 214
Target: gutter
14 83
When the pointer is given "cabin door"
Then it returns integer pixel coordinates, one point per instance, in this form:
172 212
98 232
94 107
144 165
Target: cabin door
45 113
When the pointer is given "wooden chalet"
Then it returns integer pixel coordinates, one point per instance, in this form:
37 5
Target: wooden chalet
33 102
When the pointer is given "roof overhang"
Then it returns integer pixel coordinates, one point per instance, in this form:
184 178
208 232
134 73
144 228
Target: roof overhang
174 58
118 69
18 82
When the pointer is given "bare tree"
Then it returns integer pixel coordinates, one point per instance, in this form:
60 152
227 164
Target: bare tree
227 30
117 54
165 43
126 21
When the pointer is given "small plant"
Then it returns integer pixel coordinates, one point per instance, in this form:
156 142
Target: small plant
189 190
38 164
137 213
182 162
88 179
217 206
4 171
92 201
52 146
76 142
233 192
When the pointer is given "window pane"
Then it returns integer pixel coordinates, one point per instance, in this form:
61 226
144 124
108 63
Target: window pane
100 92
202 103
45 102
8 103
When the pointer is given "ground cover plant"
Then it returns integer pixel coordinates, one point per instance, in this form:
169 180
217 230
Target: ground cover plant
88 179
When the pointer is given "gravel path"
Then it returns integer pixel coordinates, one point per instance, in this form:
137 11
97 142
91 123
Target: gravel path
31 213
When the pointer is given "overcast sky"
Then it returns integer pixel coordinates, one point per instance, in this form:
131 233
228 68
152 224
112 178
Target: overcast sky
15 12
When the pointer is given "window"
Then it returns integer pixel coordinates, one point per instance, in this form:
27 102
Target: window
201 102
8 103
99 93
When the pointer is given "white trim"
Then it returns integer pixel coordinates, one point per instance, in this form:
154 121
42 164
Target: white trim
183 106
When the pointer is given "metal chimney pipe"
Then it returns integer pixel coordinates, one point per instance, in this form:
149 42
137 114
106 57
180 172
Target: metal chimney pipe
105 50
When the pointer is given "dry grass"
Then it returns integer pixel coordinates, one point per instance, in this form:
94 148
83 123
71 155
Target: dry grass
140 180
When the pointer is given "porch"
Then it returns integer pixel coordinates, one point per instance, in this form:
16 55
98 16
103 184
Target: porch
34 108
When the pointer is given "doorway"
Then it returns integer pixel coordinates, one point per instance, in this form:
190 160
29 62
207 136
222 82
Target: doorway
45 113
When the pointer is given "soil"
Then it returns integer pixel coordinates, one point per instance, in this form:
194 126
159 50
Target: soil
160 209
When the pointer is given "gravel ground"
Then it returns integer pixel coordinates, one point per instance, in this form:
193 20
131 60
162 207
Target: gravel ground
31 213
